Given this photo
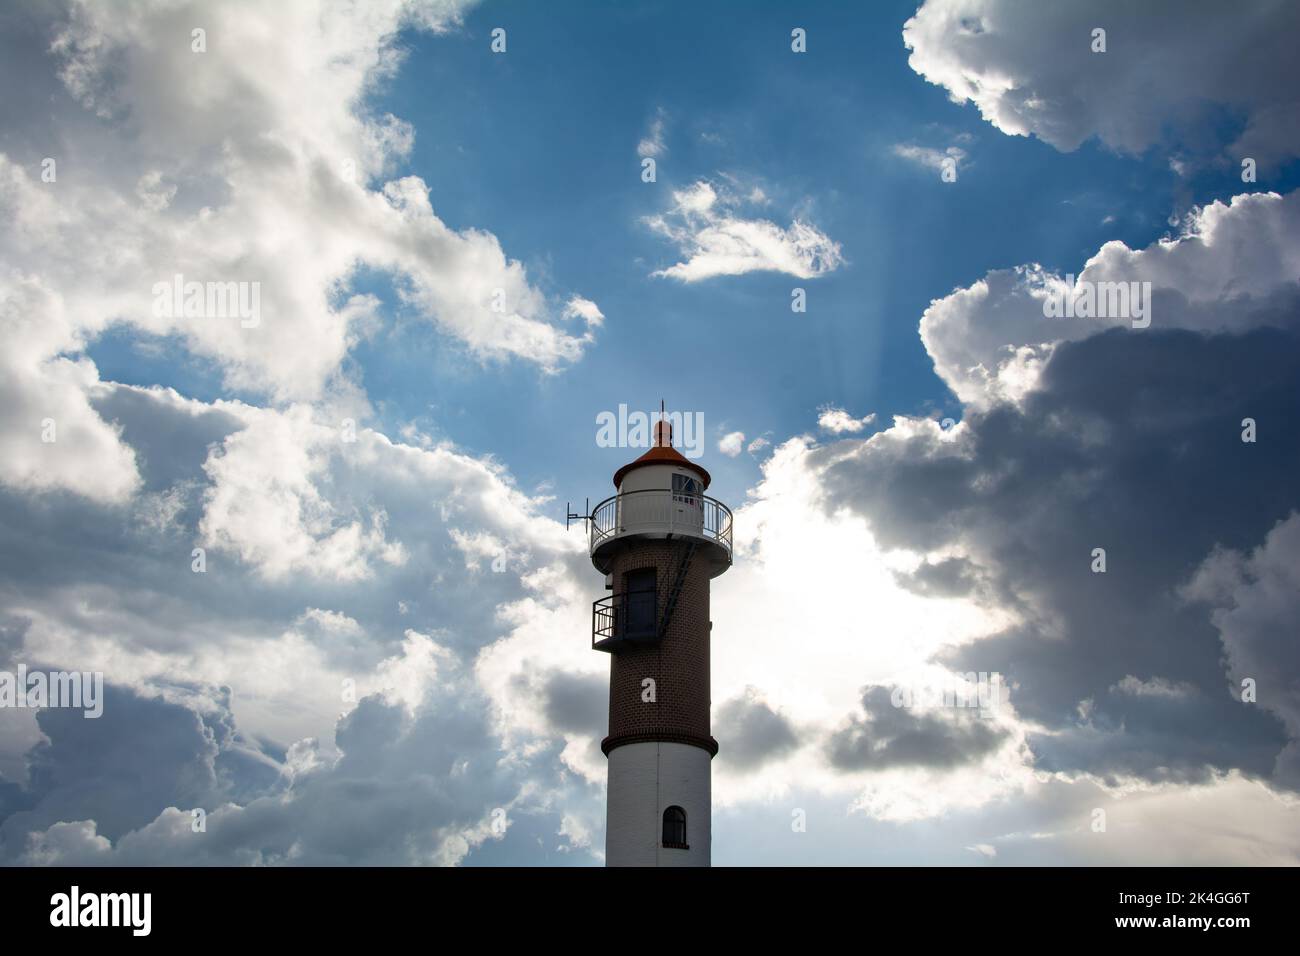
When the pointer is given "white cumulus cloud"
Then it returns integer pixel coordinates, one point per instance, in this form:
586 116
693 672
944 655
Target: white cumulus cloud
838 422
1030 69
731 444
715 240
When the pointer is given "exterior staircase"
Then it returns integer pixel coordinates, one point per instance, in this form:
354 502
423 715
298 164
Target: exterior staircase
679 581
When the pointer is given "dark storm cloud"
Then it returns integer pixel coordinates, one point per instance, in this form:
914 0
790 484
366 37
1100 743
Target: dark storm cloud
27 30
403 784
753 731
120 769
885 736
577 703
951 577
1131 444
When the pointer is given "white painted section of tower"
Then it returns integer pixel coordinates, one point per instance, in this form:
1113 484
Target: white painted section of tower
655 515
645 779
654 478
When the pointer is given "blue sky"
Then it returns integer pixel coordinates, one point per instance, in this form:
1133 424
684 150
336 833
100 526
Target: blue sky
424 567
538 146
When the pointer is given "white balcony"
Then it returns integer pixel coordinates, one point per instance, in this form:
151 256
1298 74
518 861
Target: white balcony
660 514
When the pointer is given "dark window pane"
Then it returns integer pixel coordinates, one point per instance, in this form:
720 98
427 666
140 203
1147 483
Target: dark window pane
674 827
641 602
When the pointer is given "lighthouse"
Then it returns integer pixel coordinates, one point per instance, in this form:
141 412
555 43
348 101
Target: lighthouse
659 541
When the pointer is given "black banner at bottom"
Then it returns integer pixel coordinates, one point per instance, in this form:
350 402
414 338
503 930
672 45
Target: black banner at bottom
335 905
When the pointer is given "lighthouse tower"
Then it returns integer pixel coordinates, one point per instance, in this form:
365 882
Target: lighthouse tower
659 542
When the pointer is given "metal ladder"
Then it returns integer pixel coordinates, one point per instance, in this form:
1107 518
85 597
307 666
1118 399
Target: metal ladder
679 581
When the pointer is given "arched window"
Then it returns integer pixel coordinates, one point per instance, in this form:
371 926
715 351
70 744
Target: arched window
675 828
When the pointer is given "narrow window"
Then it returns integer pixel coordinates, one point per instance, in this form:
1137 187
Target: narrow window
675 829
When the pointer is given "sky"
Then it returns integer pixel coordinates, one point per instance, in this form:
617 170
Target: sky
317 549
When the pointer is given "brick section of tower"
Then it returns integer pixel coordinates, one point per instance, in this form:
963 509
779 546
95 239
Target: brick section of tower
679 664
